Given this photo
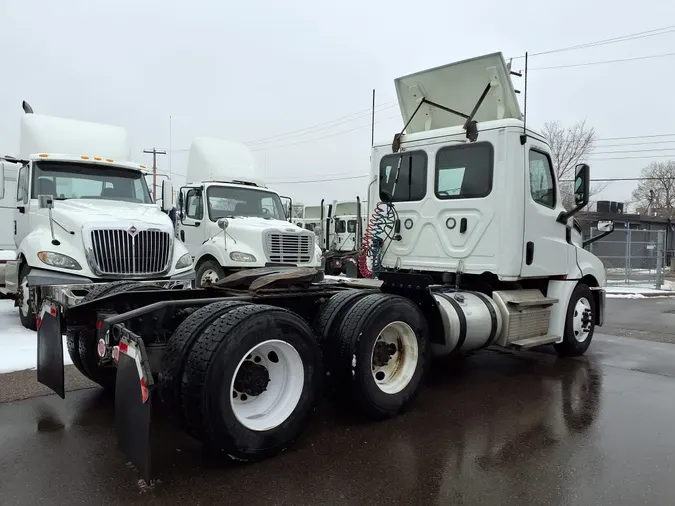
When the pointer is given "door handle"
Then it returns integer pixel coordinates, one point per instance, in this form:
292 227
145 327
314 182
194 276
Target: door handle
529 253
462 225
22 209
182 235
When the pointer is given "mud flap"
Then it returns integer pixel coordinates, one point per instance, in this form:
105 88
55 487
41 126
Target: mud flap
133 391
50 348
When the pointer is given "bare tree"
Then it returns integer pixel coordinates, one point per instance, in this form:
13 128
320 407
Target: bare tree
658 192
569 147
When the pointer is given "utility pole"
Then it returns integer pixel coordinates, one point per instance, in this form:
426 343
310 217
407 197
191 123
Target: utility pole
154 169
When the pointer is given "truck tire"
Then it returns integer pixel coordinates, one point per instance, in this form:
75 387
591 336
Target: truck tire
26 312
251 382
209 271
579 323
86 339
179 346
73 338
383 354
327 321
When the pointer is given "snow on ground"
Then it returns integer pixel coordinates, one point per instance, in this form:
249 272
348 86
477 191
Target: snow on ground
18 346
638 291
6 254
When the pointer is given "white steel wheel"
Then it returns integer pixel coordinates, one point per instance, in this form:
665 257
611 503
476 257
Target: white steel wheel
582 318
209 277
394 357
267 385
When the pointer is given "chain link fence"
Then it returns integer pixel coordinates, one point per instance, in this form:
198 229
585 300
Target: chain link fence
632 257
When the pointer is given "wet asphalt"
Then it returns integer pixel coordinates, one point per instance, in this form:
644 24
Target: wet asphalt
494 428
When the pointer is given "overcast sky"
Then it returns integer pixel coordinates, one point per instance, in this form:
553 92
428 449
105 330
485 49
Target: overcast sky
252 70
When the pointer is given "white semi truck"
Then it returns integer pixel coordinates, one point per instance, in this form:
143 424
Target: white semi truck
467 236
347 225
82 214
231 221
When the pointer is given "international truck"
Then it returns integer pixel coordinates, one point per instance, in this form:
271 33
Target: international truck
81 216
231 221
470 246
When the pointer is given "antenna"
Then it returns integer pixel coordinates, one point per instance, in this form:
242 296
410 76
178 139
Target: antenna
372 123
523 138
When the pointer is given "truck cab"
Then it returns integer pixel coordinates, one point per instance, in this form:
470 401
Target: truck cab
474 198
230 221
83 214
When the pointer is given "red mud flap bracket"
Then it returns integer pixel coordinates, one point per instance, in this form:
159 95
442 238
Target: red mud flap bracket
133 392
50 348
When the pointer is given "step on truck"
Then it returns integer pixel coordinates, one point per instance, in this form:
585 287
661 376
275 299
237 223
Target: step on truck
82 219
229 219
471 247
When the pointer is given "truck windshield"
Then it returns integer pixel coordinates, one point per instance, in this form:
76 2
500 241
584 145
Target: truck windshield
72 180
227 201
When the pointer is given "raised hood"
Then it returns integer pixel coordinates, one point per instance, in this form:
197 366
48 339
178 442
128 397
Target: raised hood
458 86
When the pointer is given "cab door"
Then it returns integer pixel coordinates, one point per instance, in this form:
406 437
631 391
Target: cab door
191 219
546 249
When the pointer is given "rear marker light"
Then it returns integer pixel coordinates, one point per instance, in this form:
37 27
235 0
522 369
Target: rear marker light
99 324
116 353
101 348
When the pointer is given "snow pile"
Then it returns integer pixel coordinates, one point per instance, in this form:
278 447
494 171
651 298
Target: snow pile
18 345
7 254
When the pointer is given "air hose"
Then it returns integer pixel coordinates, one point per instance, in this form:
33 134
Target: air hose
380 226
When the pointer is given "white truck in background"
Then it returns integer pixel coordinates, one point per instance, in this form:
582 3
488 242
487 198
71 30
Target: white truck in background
347 223
82 214
229 220
7 207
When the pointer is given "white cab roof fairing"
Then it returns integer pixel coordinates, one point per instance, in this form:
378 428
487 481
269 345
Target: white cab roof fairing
314 212
458 86
48 134
221 160
348 208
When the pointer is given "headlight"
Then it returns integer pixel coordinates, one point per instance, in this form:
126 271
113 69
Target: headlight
184 261
58 260
238 256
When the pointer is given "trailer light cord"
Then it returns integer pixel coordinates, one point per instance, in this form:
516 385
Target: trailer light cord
380 228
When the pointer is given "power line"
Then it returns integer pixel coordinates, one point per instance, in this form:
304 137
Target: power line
633 157
631 151
634 137
613 40
626 144
328 124
318 180
341 132
604 62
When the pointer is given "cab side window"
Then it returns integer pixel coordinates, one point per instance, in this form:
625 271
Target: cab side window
22 185
194 208
403 177
542 182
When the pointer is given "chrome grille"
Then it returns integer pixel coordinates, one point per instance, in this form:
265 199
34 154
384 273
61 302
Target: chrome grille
290 248
119 252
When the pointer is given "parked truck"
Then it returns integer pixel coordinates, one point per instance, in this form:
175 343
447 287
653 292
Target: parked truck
231 221
471 247
347 225
81 215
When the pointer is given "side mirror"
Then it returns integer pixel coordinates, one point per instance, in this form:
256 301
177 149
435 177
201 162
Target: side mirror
167 195
45 201
2 180
582 184
223 223
605 226
582 192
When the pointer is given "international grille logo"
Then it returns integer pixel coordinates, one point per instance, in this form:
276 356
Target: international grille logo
132 230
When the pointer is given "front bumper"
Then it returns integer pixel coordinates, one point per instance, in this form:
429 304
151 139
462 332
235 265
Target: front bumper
68 289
